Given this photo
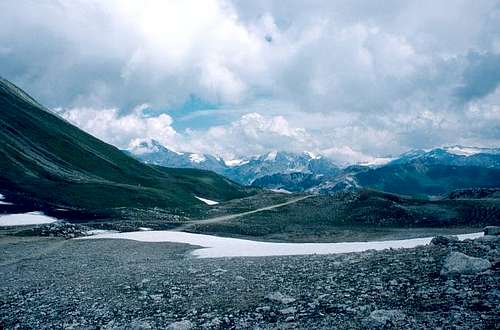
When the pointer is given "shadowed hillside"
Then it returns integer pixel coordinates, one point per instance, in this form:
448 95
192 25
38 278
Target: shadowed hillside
46 159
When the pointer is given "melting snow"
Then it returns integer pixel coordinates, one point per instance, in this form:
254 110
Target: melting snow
23 219
215 247
207 201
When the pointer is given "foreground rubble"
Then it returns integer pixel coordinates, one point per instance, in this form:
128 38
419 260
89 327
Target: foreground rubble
113 284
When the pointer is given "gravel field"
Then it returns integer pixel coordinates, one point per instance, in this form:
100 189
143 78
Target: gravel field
52 283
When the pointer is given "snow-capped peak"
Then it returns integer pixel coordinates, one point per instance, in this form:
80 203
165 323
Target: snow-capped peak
144 146
271 156
312 155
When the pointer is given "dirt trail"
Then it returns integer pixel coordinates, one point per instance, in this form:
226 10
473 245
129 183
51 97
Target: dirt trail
237 215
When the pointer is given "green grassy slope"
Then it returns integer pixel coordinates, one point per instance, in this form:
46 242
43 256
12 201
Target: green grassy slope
48 159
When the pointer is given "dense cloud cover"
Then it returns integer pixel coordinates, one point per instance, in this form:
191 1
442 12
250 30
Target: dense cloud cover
350 79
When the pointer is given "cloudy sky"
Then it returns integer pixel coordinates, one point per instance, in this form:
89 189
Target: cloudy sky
349 79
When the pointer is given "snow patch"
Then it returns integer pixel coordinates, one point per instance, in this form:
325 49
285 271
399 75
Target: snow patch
377 161
24 219
145 229
216 247
272 156
207 201
312 155
281 191
235 162
197 158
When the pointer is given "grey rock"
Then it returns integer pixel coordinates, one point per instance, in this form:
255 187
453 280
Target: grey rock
458 263
279 297
289 310
140 325
181 325
492 230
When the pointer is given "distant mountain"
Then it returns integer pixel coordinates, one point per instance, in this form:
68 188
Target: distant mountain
152 152
420 179
296 181
282 163
454 155
244 171
418 172
47 160
433 172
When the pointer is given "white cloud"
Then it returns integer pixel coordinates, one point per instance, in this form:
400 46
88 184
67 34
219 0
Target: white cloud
348 77
122 130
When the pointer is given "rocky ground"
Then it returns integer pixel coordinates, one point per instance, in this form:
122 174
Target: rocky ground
51 283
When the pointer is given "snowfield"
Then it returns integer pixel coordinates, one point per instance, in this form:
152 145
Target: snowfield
217 247
24 219
207 201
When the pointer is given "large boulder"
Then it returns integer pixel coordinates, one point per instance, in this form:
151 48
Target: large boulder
457 263
492 230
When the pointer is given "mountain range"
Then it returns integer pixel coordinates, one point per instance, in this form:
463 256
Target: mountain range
417 172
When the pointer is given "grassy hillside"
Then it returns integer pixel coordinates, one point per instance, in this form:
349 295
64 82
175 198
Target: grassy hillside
46 159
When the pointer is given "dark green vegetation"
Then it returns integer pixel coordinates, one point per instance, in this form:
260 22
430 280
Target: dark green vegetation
360 215
46 161
418 178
